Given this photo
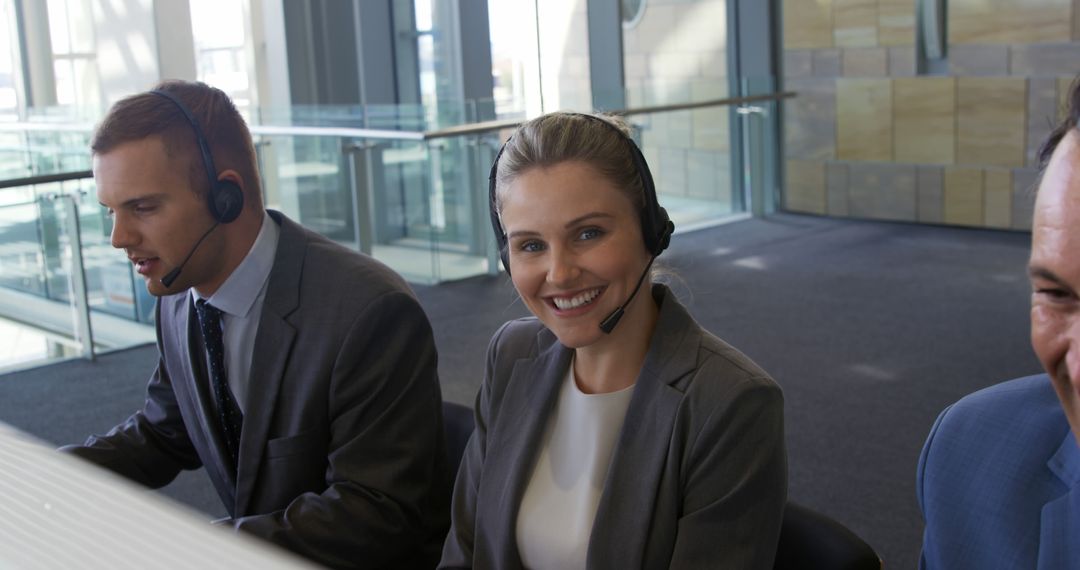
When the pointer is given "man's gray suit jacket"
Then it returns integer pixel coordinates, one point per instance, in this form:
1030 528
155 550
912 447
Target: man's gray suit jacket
342 456
698 478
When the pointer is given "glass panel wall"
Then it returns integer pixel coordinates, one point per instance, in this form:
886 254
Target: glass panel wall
222 44
9 62
71 29
540 56
41 292
677 52
38 250
25 153
410 203
22 258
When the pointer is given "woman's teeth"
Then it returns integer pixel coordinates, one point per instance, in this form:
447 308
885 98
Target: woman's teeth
576 301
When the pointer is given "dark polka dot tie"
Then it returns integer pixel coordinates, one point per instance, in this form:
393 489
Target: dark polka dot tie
229 413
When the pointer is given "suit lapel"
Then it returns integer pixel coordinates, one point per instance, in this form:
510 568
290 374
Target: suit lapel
621 530
530 396
270 357
197 393
1059 546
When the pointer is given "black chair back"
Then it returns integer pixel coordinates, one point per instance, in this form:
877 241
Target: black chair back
458 426
811 540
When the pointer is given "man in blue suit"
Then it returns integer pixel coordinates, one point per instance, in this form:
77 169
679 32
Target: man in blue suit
999 475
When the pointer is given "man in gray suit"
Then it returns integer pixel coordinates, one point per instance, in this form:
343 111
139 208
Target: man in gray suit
300 374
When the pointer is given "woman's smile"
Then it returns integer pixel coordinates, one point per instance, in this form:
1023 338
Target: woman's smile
575 303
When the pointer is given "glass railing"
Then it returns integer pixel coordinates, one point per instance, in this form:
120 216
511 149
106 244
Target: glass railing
414 199
64 291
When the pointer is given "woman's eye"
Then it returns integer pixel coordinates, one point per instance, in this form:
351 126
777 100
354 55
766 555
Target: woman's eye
531 246
591 233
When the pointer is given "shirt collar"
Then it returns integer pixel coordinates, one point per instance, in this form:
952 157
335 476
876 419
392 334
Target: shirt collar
243 286
1066 462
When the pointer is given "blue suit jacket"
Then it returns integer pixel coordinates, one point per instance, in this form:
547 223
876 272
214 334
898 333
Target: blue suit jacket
999 482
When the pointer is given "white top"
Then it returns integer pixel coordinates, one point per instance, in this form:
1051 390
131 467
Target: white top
240 298
559 504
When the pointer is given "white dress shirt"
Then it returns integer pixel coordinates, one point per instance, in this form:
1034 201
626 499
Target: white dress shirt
240 299
560 501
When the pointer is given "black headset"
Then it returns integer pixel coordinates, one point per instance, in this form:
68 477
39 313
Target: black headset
656 225
225 200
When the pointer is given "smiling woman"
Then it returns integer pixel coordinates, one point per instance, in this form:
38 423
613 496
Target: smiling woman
575 253
612 429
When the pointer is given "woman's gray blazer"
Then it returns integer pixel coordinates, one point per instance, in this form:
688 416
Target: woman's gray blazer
698 478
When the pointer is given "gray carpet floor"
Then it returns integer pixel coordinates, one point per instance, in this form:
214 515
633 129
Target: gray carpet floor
870 328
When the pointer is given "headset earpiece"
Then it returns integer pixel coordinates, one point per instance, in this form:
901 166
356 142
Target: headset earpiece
226 201
667 228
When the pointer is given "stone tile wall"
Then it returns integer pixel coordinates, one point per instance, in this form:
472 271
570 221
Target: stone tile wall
866 137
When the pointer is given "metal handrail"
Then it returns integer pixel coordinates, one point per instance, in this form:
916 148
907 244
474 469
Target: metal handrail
417 136
343 132
491 126
46 179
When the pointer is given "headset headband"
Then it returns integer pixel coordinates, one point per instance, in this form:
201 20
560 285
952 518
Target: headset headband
656 226
204 149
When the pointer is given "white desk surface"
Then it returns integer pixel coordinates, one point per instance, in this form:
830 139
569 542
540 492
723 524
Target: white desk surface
57 511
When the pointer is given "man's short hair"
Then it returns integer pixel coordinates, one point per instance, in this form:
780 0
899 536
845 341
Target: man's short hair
1070 122
147 115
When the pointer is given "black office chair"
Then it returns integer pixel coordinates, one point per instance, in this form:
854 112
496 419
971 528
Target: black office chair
458 425
811 540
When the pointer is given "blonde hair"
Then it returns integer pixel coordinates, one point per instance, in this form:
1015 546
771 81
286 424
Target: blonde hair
561 137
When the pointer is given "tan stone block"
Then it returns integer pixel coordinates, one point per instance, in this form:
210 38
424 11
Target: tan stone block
864 119
797 63
1041 115
710 129
805 186
896 22
1009 21
1064 86
708 175
674 174
810 119
710 126
808 24
901 62
882 191
676 66
924 117
836 188
1044 60
865 62
654 29
636 67
1076 20
1023 203
979 60
826 63
964 196
635 96
991 123
855 23
997 198
929 184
